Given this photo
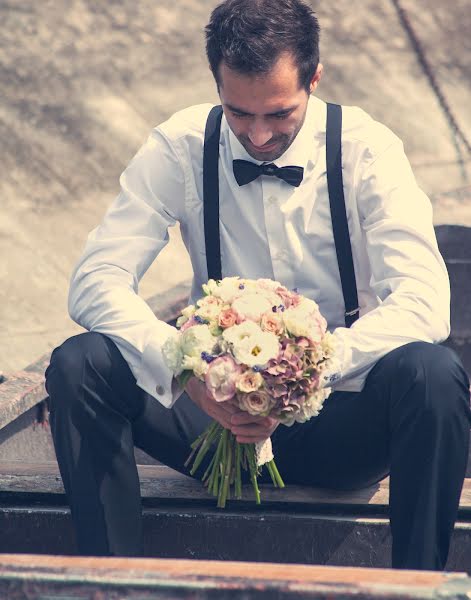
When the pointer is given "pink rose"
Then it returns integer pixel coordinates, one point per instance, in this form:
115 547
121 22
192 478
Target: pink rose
227 318
288 298
257 402
271 322
285 295
249 381
221 378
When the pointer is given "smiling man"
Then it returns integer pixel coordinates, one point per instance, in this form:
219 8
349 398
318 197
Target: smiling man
355 235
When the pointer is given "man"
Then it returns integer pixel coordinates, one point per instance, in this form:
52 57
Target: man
400 401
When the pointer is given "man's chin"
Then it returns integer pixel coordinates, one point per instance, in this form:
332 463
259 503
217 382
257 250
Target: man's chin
268 155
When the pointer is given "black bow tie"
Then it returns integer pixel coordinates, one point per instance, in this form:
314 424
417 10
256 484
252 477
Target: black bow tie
246 171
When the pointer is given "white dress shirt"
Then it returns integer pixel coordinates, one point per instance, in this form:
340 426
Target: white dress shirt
270 229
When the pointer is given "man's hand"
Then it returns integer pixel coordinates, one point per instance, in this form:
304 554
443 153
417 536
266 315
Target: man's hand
250 429
247 428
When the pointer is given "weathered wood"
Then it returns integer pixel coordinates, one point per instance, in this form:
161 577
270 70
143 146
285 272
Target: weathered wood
168 306
182 530
158 481
18 393
160 578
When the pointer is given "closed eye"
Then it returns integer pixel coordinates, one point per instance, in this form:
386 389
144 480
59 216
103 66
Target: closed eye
240 115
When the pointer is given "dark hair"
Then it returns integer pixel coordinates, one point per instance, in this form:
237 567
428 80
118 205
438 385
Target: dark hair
250 35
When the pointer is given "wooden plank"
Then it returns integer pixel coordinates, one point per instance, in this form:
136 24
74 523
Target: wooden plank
36 576
18 393
155 568
158 481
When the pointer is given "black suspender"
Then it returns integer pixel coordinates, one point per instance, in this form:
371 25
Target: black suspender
211 192
338 214
336 199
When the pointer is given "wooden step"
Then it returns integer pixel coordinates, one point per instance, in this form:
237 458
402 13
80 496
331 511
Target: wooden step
294 525
66 577
160 482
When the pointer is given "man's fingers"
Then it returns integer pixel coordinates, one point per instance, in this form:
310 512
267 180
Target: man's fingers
229 407
244 418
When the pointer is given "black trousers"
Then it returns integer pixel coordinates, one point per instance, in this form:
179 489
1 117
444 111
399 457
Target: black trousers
411 421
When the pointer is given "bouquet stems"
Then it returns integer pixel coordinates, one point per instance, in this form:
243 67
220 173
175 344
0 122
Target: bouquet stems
224 472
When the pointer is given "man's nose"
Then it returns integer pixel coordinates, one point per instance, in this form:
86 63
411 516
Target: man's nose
259 133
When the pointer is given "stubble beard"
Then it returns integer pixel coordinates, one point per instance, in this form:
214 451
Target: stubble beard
286 141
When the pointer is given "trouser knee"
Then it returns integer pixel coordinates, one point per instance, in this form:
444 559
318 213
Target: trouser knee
84 359
429 378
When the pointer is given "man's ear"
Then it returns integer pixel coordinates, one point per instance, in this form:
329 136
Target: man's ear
316 78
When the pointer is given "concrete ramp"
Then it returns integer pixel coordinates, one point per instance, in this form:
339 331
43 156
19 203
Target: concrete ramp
83 84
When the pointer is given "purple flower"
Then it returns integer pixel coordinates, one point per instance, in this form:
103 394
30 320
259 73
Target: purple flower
207 357
200 320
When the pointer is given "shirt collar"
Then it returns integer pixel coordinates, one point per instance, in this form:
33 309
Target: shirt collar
299 153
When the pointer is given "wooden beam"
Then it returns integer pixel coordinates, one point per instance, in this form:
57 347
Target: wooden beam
18 393
158 481
35 575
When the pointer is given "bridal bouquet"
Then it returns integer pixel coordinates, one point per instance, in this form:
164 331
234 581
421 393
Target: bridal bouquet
259 344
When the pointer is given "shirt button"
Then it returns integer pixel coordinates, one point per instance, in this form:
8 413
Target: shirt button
160 390
272 199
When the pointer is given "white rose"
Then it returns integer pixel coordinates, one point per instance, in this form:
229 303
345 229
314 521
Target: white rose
195 364
229 289
328 344
209 312
307 306
196 340
173 355
189 311
313 405
181 321
268 284
296 323
251 306
304 320
210 288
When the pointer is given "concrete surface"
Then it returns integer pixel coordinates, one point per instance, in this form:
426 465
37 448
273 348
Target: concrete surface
82 84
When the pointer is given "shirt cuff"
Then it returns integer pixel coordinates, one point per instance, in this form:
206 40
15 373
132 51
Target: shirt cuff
155 377
333 374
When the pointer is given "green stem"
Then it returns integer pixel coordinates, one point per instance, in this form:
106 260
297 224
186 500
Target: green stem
208 470
212 480
212 432
196 444
272 474
227 471
279 481
238 479
222 463
250 453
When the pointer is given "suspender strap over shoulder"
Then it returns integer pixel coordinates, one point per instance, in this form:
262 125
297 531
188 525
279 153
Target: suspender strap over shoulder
338 212
211 192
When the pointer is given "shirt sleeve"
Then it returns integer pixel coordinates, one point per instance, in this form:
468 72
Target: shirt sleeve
103 293
408 273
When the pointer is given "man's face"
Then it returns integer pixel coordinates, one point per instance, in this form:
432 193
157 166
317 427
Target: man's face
265 112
